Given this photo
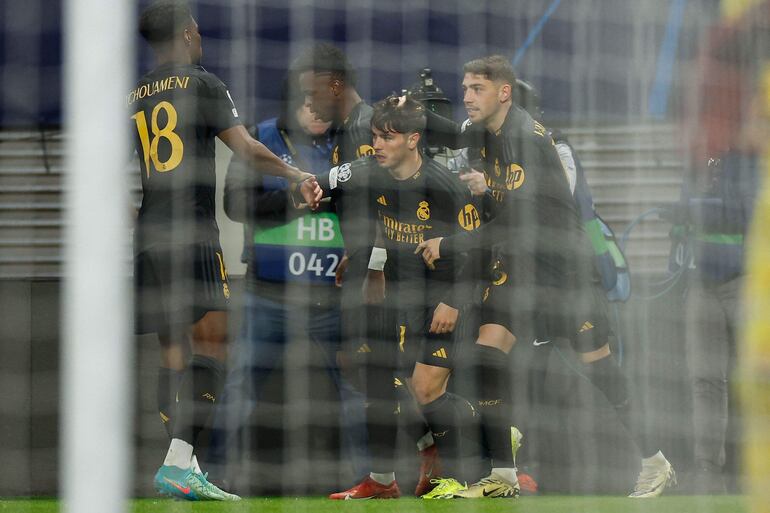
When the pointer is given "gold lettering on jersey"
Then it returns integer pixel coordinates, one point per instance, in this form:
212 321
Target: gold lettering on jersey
153 88
483 152
514 177
336 155
496 187
539 129
364 151
469 218
498 171
423 211
406 233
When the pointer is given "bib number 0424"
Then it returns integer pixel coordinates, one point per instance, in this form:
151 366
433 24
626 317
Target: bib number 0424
324 265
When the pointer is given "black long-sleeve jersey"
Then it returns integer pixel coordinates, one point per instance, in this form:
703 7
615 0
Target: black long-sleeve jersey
353 140
177 111
537 227
431 203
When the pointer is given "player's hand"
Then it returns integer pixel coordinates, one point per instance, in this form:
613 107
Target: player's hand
374 287
444 319
475 181
340 271
430 251
311 192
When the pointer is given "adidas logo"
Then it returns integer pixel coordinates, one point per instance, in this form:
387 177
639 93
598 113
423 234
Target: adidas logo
382 201
364 349
441 353
586 326
397 382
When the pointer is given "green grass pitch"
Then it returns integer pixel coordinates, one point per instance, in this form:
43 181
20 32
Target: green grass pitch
550 504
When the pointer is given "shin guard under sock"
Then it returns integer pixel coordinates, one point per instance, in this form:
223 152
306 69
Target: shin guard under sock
493 402
608 378
198 392
168 384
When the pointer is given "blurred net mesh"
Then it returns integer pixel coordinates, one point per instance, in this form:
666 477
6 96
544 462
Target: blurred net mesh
647 93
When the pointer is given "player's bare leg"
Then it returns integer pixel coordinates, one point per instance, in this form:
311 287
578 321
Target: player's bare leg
428 385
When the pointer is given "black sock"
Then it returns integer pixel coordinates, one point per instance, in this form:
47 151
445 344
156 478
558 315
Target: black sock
168 384
448 417
493 402
198 392
381 408
410 418
607 377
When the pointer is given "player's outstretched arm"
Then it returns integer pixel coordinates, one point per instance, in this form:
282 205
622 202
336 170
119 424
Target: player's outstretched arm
256 155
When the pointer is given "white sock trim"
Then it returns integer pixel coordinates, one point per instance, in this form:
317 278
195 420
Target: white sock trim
179 454
655 459
425 441
195 466
384 479
509 474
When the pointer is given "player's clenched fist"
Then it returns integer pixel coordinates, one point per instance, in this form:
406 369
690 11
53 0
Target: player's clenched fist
475 181
429 250
311 191
444 319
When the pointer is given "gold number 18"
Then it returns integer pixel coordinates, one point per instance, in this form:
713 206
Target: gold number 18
150 147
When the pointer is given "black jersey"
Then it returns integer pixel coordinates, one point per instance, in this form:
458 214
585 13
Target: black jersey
177 112
353 140
432 203
537 227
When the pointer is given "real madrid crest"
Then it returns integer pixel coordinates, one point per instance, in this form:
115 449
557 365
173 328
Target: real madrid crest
423 211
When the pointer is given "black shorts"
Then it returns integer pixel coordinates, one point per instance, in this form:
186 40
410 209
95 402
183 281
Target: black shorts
175 286
417 344
532 311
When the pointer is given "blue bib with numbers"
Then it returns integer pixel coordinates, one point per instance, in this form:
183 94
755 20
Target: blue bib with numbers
308 248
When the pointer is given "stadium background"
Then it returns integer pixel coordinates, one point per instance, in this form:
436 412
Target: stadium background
600 68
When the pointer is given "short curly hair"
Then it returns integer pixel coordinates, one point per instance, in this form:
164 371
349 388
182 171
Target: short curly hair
326 58
163 20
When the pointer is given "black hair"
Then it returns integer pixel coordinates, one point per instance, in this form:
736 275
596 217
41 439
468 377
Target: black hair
164 19
495 68
326 58
389 116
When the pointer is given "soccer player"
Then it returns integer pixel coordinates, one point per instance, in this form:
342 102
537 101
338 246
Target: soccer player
178 109
544 284
282 300
412 197
328 81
